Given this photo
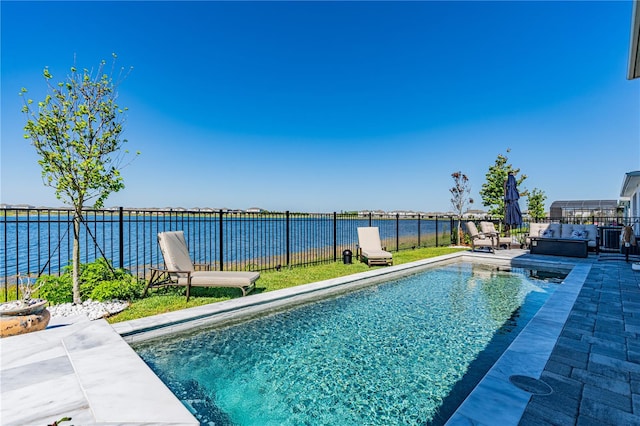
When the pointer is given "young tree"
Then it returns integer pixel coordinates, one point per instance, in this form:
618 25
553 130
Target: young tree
492 191
535 204
460 197
76 130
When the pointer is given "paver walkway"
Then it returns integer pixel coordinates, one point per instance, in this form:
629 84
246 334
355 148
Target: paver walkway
594 368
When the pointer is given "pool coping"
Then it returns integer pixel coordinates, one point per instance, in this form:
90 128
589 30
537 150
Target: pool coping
93 369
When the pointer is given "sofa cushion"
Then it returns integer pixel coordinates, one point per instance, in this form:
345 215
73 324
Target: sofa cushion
556 228
592 234
567 230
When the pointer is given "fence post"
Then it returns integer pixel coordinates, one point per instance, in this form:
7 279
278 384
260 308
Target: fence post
419 230
221 231
287 237
370 218
437 231
397 231
121 236
452 236
4 263
335 237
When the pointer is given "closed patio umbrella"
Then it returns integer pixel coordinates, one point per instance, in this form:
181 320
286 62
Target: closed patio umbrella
512 216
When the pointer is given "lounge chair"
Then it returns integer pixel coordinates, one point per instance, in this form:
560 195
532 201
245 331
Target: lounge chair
489 230
182 272
370 248
478 239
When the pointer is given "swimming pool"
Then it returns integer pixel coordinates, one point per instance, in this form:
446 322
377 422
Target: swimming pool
386 354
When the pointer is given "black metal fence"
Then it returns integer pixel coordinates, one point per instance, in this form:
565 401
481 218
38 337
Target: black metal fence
40 241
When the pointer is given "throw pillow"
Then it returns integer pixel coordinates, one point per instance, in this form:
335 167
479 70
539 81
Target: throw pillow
548 233
579 235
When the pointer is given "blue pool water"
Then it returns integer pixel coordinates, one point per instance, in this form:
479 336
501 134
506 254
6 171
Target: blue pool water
394 353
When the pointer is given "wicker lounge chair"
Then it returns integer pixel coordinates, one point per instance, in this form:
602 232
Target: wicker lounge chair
182 272
370 248
478 239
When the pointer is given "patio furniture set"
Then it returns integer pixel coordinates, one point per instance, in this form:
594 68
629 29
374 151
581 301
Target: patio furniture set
572 240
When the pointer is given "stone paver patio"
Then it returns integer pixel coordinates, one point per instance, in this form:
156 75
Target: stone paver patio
594 368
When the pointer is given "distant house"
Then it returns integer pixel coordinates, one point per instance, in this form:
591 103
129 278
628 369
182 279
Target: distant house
17 206
366 213
473 214
254 210
403 213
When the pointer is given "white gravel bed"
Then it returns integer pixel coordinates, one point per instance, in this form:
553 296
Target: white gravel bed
92 309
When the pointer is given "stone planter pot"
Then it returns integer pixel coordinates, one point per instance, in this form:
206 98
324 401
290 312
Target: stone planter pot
19 317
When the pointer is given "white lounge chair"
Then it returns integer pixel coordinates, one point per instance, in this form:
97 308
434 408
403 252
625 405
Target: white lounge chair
182 272
478 239
370 248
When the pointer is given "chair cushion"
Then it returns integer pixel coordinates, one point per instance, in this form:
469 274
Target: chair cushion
174 251
221 279
482 243
369 238
376 254
488 228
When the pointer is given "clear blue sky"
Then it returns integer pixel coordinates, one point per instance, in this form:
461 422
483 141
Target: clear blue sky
330 106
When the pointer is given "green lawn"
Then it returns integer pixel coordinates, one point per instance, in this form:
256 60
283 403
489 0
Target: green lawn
173 299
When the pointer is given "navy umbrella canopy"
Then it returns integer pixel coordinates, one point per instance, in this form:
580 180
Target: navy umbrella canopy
512 216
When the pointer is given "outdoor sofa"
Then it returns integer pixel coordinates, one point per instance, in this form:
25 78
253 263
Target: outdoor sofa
565 231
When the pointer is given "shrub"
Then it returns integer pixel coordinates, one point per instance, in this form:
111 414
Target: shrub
124 289
98 281
56 289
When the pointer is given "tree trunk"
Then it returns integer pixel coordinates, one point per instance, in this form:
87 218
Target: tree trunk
76 259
